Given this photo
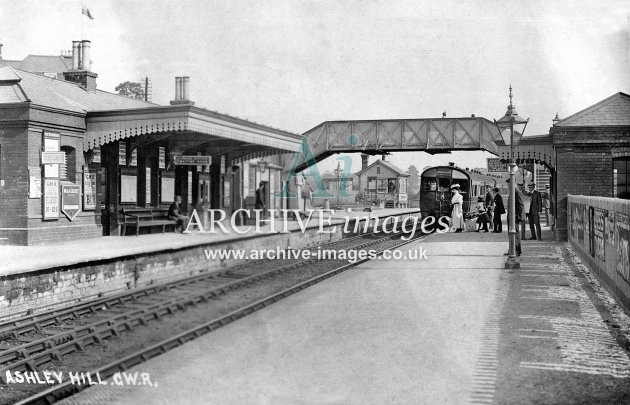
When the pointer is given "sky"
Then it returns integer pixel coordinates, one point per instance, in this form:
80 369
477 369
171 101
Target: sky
292 64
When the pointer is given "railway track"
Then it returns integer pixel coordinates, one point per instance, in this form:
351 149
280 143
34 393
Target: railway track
31 343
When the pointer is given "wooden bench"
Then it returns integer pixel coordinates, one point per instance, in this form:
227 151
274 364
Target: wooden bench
145 217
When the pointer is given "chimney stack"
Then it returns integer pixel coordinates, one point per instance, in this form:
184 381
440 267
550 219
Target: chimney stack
81 65
76 48
85 55
181 91
364 161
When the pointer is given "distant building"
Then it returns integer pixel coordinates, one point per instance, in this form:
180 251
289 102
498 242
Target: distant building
384 182
47 65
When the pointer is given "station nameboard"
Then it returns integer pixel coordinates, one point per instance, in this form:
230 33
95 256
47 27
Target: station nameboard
51 158
70 200
495 166
193 160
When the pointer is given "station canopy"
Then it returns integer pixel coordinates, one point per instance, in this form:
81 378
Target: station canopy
236 138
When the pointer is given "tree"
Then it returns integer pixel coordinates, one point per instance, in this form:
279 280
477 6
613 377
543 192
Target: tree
414 178
130 89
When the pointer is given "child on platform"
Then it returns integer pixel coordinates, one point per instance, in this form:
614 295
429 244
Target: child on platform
483 219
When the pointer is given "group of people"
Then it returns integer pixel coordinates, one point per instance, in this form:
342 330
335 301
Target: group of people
489 210
528 206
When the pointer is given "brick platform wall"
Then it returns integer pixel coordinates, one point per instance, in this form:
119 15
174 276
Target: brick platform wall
62 286
601 241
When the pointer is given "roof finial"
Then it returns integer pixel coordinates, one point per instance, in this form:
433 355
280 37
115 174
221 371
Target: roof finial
511 96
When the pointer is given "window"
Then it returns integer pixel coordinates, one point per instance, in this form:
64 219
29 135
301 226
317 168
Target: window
67 171
621 177
378 170
371 183
402 189
382 186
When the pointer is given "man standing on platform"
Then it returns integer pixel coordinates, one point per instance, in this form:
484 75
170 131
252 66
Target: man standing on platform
260 198
489 203
546 199
534 212
526 201
499 209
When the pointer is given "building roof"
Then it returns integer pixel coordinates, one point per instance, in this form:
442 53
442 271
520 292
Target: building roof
386 164
41 63
18 85
613 111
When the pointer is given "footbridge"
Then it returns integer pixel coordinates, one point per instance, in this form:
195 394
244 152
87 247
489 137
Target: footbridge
431 135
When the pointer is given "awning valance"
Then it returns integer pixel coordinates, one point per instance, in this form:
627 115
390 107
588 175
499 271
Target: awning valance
108 126
533 148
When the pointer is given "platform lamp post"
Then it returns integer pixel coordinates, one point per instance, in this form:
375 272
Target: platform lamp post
511 127
338 172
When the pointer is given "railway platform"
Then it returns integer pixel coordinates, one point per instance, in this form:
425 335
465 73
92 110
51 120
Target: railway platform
38 278
455 327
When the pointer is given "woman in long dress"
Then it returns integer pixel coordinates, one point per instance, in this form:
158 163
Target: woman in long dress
457 215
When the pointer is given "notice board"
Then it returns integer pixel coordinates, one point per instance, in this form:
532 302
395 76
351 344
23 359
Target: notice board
167 187
89 189
128 186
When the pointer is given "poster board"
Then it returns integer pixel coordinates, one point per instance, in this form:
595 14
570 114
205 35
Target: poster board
122 153
599 232
70 200
128 187
190 179
133 159
96 155
89 189
167 187
622 223
50 202
147 187
162 158
227 194
51 144
35 182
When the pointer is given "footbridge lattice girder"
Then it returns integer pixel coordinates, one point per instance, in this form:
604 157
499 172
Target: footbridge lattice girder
433 135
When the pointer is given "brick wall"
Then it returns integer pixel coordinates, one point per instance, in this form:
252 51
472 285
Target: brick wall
21 132
584 164
14 173
586 170
601 241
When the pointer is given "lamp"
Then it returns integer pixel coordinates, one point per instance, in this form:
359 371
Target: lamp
263 165
511 127
338 172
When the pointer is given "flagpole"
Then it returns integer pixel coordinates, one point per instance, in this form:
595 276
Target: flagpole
81 21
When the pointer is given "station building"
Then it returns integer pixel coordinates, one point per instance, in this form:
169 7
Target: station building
592 153
73 157
587 153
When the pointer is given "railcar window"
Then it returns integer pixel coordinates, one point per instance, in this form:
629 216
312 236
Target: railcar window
430 173
443 184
